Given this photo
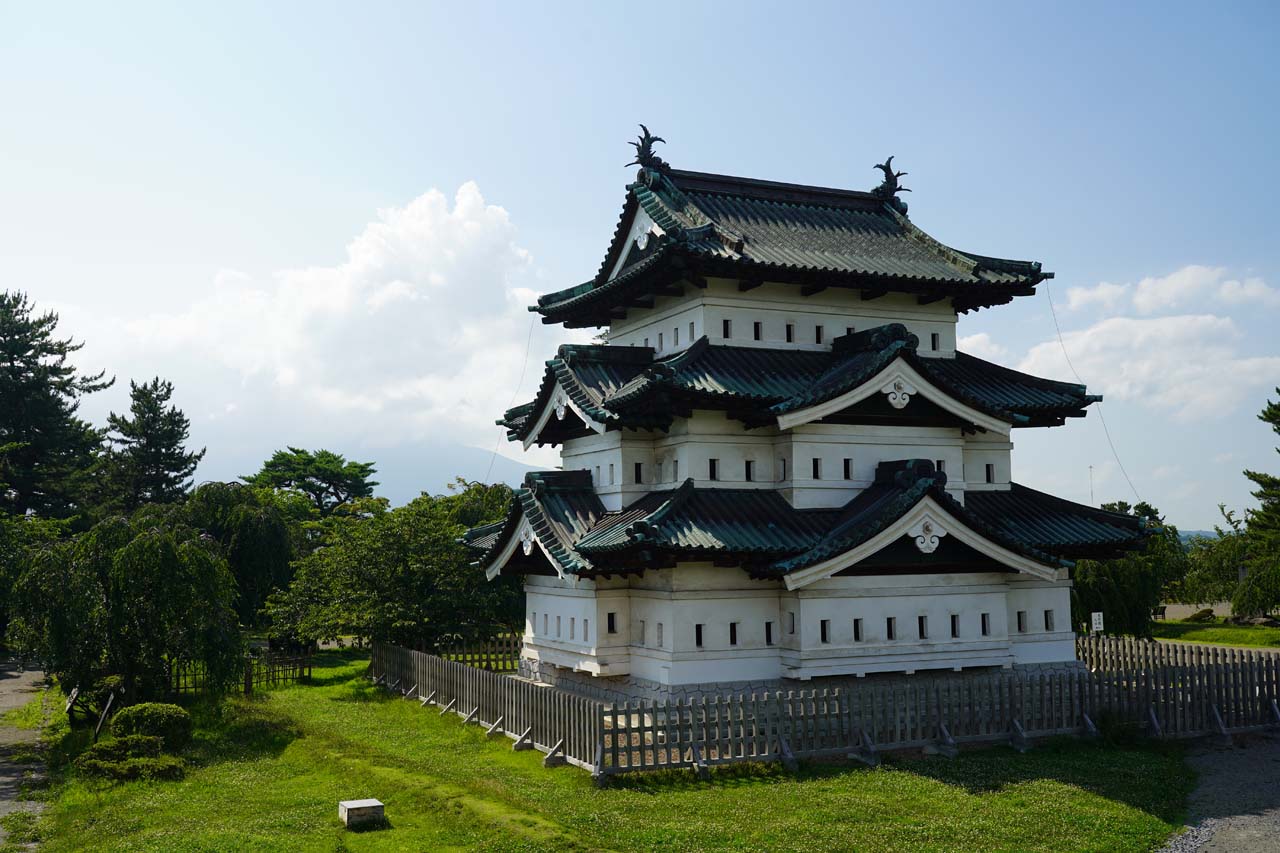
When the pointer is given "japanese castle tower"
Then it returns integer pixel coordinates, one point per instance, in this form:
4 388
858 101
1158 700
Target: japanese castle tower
779 466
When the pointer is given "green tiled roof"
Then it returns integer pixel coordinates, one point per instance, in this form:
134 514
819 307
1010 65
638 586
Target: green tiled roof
758 529
710 521
629 387
751 229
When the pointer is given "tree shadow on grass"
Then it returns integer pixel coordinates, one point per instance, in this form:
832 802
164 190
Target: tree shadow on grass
237 731
1151 777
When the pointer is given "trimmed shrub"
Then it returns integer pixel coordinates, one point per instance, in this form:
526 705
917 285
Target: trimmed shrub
162 768
158 719
123 748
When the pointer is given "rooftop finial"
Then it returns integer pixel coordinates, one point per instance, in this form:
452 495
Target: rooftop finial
645 157
889 189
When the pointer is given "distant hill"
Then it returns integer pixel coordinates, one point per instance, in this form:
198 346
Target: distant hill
1187 535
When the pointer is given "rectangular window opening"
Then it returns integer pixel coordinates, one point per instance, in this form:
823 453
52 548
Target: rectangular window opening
692 336
1022 621
782 467
639 473
557 627
1048 620
726 329
955 625
659 341
817 468
935 341
749 471
544 624
848 469
922 627
572 627
817 334
533 622
611 621
697 635
791 622
659 635
768 633
891 628
824 628
586 624
757 331
597 475
791 333
646 341
986 624
857 630
733 633
991 472
940 465
713 469
640 633
610 473
675 470
849 330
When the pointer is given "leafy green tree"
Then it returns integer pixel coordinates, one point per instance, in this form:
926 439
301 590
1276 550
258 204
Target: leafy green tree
149 461
325 477
129 598
260 532
1126 589
20 538
50 452
400 575
1215 564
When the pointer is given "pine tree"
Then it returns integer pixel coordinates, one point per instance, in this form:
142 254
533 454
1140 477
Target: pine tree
148 461
48 452
1264 522
1259 590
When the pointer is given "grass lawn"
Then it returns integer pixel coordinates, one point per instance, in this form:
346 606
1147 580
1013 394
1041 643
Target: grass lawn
267 774
1217 632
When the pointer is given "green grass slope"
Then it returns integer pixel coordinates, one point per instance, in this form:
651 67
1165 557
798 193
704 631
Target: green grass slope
267 774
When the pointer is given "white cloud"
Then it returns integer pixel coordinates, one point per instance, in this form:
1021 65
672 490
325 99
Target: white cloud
982 346
418 334
1178 288
1187 365
1105 295
1250 290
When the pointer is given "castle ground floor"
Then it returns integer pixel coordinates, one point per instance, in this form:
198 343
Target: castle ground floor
700 629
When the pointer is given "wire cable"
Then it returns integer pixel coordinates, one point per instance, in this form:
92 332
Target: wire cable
524 368
1097 406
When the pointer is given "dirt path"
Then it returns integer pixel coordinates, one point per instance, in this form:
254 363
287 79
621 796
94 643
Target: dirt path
1236 804
16 765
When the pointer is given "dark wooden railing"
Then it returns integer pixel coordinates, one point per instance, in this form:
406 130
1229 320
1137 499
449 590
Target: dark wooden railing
1163 689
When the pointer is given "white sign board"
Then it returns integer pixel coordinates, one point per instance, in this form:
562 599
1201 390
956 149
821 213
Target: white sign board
1097 622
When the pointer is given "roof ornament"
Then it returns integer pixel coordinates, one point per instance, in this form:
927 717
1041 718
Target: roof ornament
645 156
889 188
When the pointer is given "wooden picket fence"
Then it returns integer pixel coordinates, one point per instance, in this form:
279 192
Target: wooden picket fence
563 725
1162 689
267 671
501 654
1190 689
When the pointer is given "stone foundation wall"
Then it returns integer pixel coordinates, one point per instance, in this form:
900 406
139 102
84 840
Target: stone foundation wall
625 688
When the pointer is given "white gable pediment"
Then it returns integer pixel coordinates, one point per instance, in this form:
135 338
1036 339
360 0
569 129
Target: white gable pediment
926 523
525 539
900 383
558 405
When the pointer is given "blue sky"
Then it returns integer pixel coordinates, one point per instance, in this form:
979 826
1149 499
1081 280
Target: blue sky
321 221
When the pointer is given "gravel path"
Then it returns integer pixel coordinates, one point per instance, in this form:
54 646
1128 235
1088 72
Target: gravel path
16 689
1236 804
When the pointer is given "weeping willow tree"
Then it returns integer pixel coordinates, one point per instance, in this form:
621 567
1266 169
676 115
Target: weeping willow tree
131 598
